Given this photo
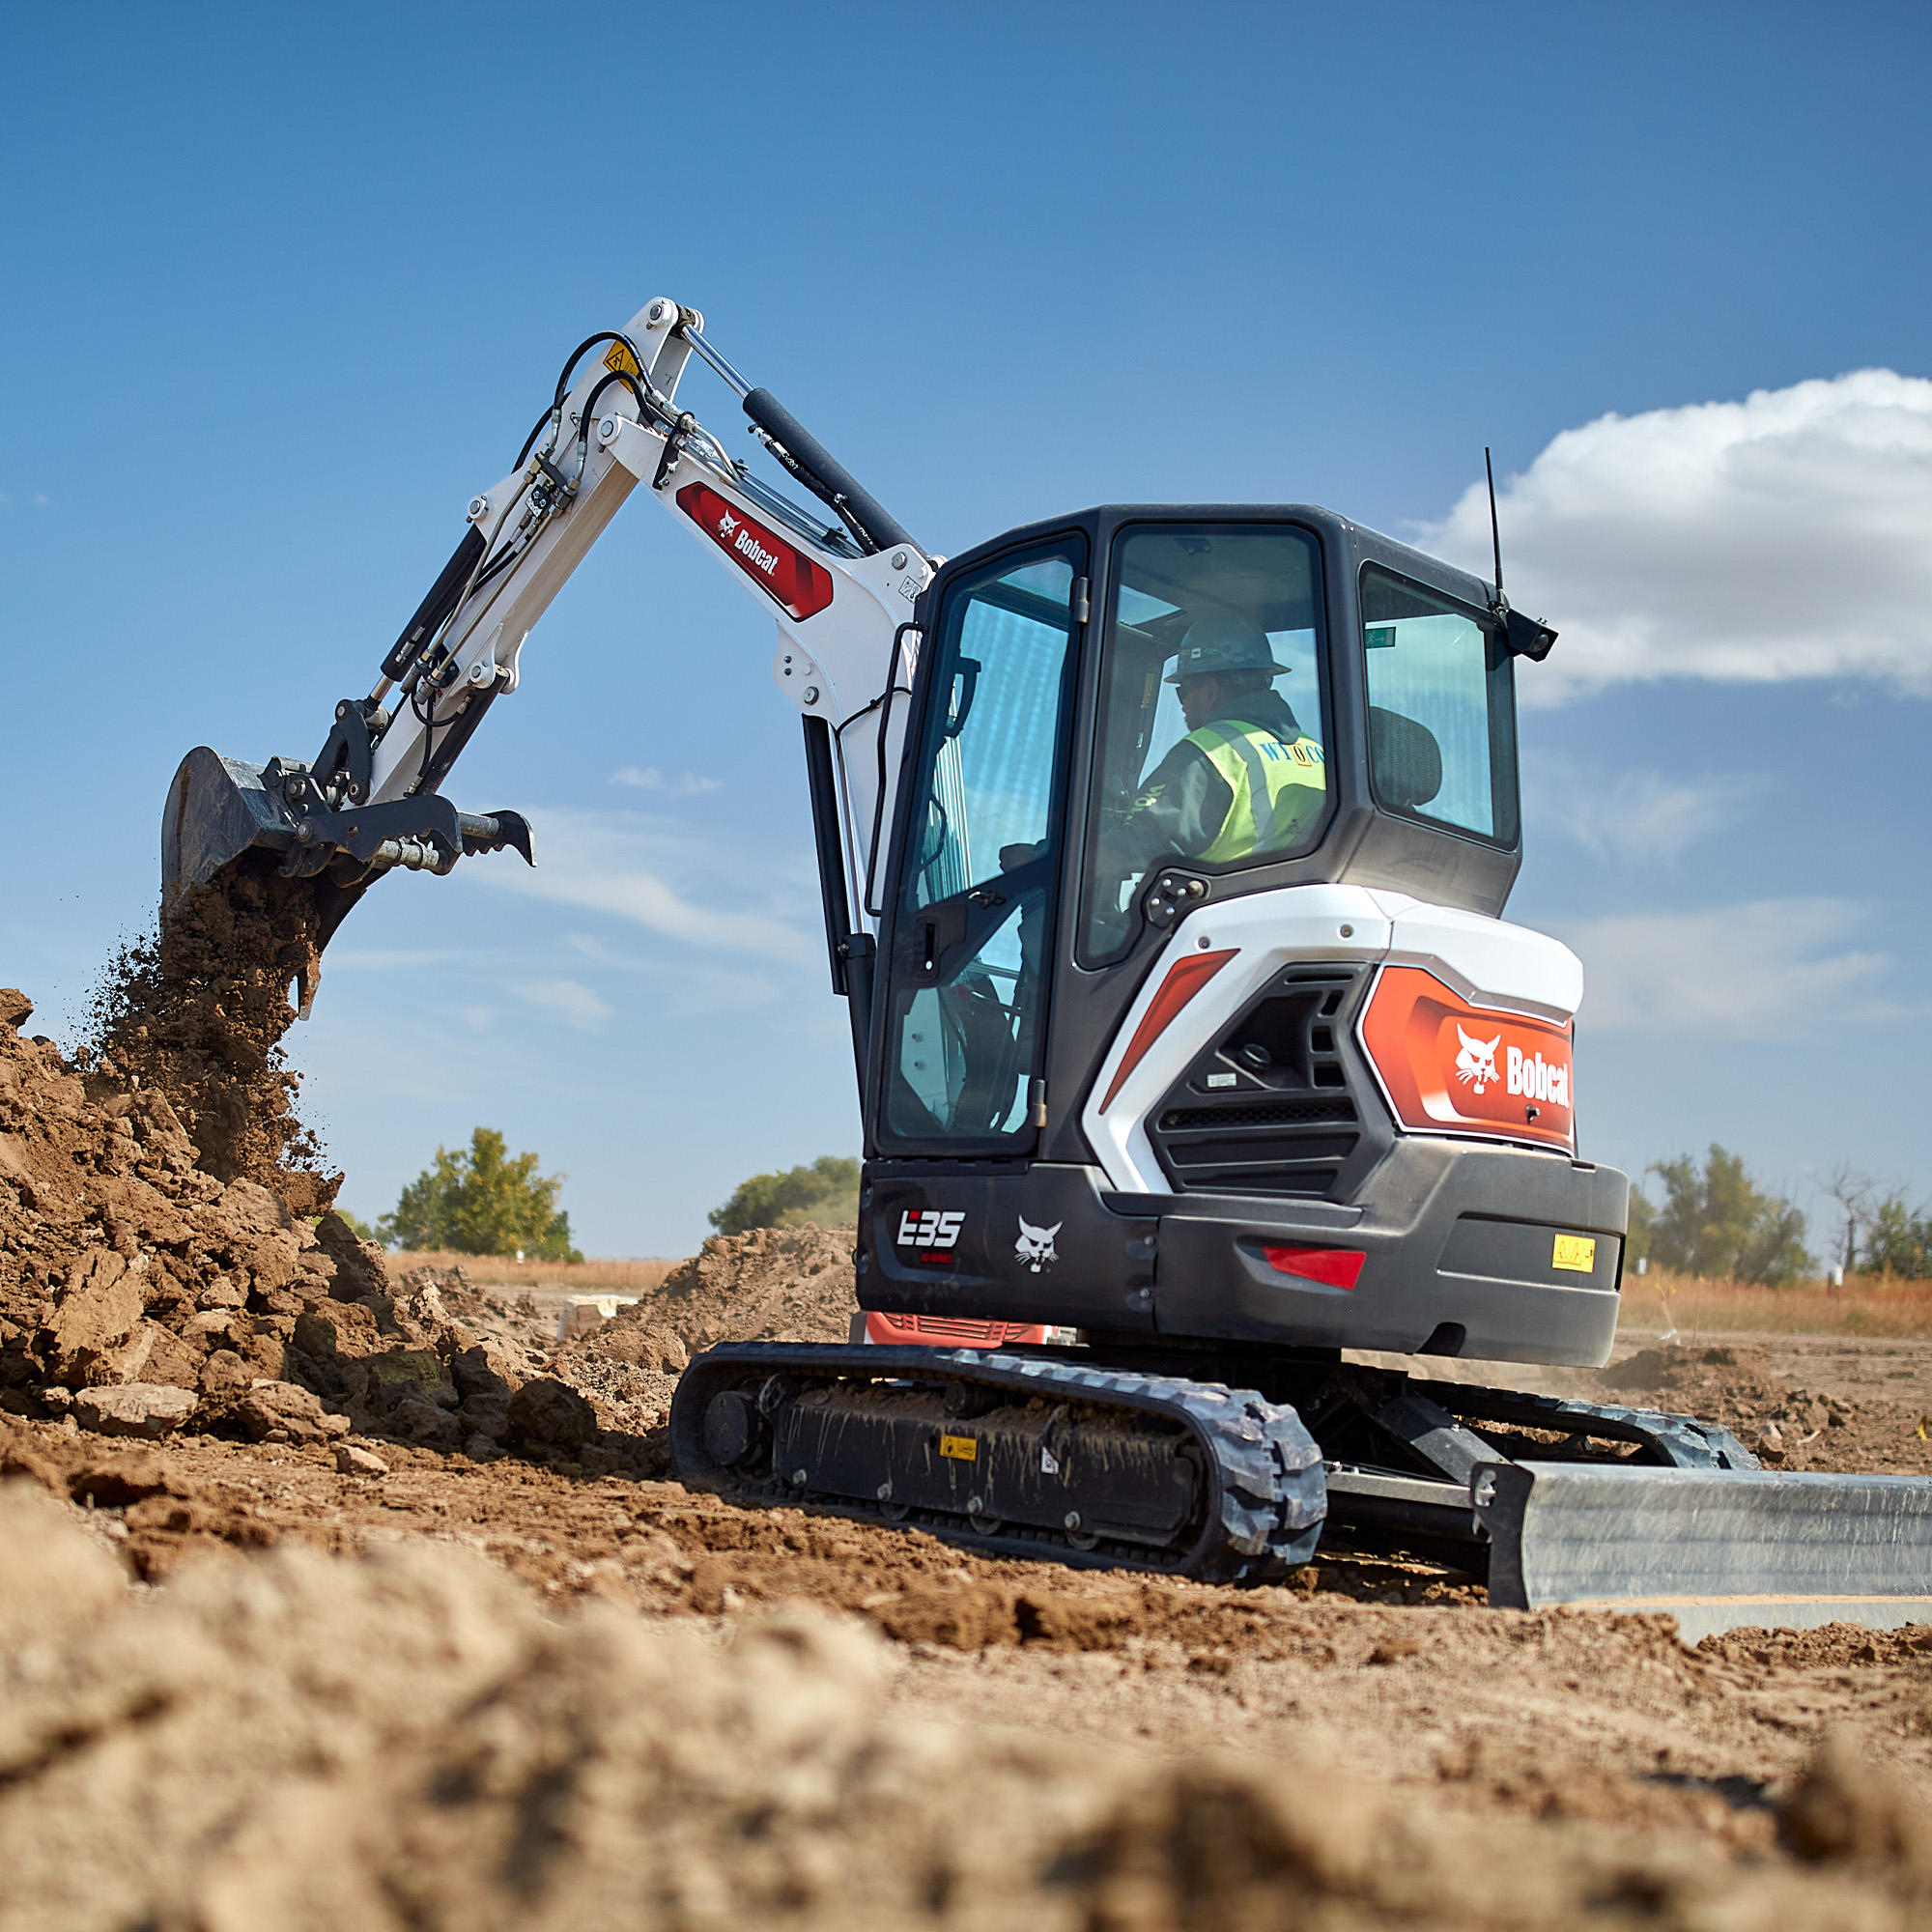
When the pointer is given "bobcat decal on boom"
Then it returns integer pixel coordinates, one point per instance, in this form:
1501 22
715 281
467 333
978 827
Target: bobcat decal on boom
1476 1062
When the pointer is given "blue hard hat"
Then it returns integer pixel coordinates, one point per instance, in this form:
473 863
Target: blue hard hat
1215 645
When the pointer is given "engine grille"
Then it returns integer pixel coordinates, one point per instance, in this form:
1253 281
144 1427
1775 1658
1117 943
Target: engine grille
1293 1128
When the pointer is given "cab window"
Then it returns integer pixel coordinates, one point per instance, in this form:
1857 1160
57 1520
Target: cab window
1441 709
1211 721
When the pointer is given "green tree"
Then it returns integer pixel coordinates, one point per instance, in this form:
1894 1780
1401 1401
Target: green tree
1636 1243
824 1195
484 1202
1715 1222
1895 1238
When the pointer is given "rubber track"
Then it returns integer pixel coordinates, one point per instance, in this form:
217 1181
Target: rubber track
1681 1441
1268 1495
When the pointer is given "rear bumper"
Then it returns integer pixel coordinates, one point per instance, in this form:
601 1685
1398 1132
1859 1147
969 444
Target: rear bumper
1459 1246
1458 1242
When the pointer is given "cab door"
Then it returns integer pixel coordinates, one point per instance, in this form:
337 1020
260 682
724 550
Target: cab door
969 945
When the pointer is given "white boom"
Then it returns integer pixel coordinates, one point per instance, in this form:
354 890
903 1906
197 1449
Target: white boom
843 654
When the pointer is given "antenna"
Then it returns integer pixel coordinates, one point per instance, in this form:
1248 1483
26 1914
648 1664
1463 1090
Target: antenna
1496 531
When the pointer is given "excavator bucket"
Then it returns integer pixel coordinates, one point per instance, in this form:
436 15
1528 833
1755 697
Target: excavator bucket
218 810
226 821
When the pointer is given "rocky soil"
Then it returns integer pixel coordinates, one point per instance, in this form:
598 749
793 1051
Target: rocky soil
333 1600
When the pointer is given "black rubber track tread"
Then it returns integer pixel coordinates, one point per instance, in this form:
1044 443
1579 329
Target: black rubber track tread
1267 1491
1679 1442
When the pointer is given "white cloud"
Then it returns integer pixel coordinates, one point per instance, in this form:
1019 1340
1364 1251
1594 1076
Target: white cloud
1771 970
699 887
647 777
1635 816
1780 537
578 1005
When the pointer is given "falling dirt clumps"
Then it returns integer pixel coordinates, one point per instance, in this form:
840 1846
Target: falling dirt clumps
408 1739
1784 1424
197 1011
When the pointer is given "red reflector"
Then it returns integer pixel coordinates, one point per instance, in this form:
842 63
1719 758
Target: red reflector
1334 1267
1187 977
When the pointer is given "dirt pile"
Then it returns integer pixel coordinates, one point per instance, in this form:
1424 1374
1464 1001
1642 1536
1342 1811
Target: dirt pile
1783 1423
770 1285
197 1011
128 1272
407 1740
126 1267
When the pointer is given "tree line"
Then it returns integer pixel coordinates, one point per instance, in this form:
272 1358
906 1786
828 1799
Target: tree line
1715 1221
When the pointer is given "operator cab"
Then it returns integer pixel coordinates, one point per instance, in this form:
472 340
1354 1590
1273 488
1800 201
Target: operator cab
1060 810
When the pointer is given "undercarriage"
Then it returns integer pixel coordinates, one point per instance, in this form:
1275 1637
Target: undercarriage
1242 1468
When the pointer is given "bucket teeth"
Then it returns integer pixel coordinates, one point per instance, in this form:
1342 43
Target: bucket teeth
224 815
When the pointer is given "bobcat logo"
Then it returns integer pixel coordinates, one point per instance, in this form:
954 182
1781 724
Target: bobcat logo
726 524
1035 1245
1476 1062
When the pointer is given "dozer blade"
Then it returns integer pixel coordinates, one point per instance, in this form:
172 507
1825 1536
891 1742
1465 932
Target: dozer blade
1716 1549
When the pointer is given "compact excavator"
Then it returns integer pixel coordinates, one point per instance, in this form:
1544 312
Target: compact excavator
1173 1105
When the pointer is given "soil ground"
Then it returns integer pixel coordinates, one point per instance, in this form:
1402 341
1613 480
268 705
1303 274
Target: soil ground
399 1622
1590 1750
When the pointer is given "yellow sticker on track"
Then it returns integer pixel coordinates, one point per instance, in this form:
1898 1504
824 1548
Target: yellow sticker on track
1575 1252
961 1448
621 362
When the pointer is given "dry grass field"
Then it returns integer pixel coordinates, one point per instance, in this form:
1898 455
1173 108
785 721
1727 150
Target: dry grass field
500 1272
1662 1300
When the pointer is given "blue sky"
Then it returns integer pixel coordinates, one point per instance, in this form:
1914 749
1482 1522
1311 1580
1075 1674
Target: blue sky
283 289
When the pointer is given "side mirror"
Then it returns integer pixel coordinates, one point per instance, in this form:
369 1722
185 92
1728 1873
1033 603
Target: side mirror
1525 637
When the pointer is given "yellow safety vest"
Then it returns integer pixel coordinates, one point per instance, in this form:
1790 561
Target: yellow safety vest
1277 786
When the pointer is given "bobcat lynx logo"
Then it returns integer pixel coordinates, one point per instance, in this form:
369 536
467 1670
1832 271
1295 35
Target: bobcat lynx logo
1035 1245
726 524
1476 1062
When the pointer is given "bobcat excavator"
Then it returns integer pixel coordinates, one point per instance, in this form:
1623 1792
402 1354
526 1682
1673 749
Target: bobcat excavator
1159 1122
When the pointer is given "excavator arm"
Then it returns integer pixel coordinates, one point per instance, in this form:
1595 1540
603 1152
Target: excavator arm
838 575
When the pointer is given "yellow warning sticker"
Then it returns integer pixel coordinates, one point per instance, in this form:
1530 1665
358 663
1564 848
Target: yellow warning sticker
961 1448
1575 1252
621 362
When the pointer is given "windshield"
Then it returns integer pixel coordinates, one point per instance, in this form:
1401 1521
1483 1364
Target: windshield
1211 725
1441 709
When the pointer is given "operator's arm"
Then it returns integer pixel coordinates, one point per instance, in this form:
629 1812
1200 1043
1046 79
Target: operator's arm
1179 813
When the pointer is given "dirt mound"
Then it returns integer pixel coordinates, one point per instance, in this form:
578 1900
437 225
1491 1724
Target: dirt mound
125 1265
1786 1425
197 1011
770 1285
407 1740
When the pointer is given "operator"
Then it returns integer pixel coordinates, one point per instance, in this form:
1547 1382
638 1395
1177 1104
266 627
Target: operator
1245 780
